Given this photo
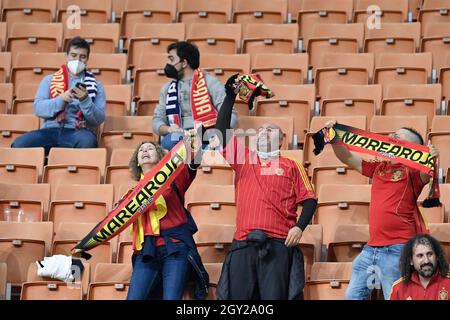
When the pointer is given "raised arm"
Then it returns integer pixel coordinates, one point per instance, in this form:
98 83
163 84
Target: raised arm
344 155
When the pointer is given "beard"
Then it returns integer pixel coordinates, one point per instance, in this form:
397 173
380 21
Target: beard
427 270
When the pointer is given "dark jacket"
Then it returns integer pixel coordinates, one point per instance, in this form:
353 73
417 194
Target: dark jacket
296 274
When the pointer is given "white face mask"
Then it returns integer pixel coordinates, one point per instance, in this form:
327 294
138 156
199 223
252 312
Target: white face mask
76 66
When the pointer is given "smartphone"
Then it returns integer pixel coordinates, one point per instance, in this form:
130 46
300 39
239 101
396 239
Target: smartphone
80 85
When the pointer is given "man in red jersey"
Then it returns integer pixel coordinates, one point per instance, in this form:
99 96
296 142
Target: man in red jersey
394 216
425 274
264 261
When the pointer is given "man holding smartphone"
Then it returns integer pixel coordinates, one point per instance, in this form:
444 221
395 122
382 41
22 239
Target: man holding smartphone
71 102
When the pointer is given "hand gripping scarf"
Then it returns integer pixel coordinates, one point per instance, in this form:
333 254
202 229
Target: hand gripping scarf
413 155
252 86
136 201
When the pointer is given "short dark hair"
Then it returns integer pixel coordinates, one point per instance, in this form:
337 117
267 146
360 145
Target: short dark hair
414 131
186 51
406 257
78 42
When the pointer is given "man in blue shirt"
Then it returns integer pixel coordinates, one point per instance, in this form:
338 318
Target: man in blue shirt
71 102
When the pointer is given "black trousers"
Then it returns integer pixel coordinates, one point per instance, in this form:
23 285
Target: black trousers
252 277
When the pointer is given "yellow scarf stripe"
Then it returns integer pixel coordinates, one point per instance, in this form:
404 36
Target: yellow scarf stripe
303 175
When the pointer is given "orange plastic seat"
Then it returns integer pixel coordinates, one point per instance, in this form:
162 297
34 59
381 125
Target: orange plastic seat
108 68
148 99
21 165
436 40
28 11
254 11
215 38
281 68
347 242
269 38
111 282
118 171
336 175
24 100
89 11
102 37
311 246
393 38
329 280
118 99
149 70
13 126
296 101
213 241
223 66
384 10
441 231
6 95
5 64
390 124
341 204
204 11
22 244
435 11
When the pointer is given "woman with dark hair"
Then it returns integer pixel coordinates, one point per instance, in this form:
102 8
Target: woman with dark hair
165 254
424 269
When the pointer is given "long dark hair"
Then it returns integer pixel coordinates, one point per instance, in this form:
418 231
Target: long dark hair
407 269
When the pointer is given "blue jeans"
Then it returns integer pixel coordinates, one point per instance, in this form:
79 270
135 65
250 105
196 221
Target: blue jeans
172 269
373 267
57 137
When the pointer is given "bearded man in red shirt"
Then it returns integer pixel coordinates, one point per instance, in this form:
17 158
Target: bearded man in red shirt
425 273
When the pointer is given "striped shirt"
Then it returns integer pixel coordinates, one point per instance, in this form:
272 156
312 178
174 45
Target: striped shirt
267 194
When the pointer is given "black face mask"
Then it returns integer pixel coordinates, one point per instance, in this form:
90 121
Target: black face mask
171 72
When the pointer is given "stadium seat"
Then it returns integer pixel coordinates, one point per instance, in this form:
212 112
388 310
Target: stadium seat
89 11
22 244
341 204
330 37
3 273
441 140
440 124
215 38
6 95
118 171
148 99
108 68
412 100
32 198
213 241
392 38
293 154
249 126
336 175
153 37
214 170
204 11
125 246
343 68
21 165
69 234
102 37
390 124
293 7
314 12
326 157
347 242
436 39
311 246
50 290
296 101
111 281
15 125
403 68
30 67
122 190
444 79
126 132
5 65
216 209
80 203
351 100
384 10
208 192
118 6
143 11
118 99
28 11
255 12
433 214
34 37
149 70
435 11
24 99
36 285
281 68
79 166
223 66
269 38
329 280
441 231
414 8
